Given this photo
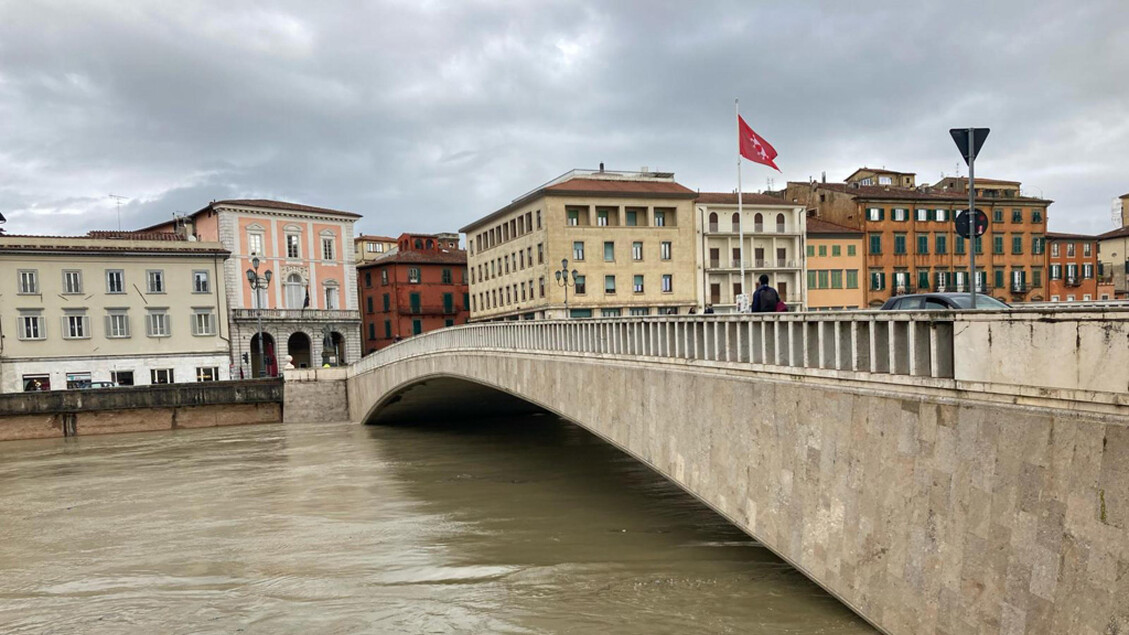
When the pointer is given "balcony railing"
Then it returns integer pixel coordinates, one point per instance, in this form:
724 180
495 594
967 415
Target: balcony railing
432 309
319 315
1019 287
778 263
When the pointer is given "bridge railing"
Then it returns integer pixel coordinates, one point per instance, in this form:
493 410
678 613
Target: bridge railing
1078 355
909 344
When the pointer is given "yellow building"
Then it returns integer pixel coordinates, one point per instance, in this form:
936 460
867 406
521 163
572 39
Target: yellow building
629 236
134 309
368 248
835 260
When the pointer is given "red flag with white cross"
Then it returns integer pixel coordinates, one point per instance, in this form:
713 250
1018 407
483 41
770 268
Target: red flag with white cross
754 147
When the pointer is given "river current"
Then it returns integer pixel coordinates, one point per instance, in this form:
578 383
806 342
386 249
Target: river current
527 525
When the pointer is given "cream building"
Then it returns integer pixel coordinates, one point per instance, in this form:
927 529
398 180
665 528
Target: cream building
135 309
629 236
367 248
774 245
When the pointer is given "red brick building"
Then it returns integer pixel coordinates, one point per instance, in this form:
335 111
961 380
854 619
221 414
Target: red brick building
1072 265
419 286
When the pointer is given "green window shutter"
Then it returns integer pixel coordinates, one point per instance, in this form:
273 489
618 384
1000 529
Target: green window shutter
448 303
811 250
823 281
851 250
811 279
836 278
852 278
415 302
923 278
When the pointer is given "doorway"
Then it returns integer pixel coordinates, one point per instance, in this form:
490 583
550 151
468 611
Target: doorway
298 346
257 360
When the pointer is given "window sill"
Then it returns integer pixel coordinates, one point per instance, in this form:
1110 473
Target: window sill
157 337
31 339
118 337
203 335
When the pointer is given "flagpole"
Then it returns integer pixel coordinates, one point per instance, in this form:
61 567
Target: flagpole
740 207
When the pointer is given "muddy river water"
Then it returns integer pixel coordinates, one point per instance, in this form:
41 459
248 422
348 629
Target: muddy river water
527 525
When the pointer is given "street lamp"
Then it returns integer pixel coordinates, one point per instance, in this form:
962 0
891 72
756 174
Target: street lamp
563 281
258 282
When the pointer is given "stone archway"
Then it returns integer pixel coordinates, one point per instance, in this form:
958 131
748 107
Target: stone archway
298 346
257 360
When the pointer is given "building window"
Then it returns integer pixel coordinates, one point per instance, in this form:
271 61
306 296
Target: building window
331 298
637 283
1017 244
875 214
413 275
29 281
207 373
660 218
900 214
580 285
157 323
811 251
958 245
1070 250
609 251
115 281
922 278
997 216
836 251
414 302
117 323
122 377
578 250
812 279
664 250
72 281
293 244
940 244
611 312
541 287
639 311
997 243
326 248
941 215
609 284
200 282
386 302
1087 249
387 328
876 243
155 281
632 217
637 250
602 218
1056 272
573 216
76 325
667 283
384 277
823 250
31 326
1087 270
922 215
877 280
161 376
368 304
923 244
417 327
899 243
998 278
821 276
368 279
1038 245
1036 277
1036 216
852 278
836 278
446 276
1016 216
449 301
255 244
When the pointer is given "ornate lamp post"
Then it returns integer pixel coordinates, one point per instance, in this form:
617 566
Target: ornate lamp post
258 282
563 280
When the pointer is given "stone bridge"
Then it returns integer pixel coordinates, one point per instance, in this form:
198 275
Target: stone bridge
937 472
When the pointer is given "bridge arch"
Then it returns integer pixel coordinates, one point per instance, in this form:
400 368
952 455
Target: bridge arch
441 395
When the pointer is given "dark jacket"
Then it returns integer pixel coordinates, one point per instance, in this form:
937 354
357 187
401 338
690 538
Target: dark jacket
762 304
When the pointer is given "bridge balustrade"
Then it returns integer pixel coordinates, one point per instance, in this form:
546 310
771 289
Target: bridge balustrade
906 344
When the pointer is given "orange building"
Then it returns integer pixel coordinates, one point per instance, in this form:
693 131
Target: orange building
1072 260
911 242
420 286
835 261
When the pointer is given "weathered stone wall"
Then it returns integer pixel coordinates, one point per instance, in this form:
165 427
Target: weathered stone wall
155 396
923 513
51 425
316 395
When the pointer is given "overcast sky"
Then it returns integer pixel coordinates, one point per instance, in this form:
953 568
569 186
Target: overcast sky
423 115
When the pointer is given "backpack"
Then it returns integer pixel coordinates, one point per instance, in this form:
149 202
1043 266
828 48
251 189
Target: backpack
769 298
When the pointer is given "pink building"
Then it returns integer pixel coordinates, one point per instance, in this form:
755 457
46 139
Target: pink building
312 295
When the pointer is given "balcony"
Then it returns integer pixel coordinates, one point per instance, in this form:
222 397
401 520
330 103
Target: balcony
1019 287
778 263
431 309
1073 282
305 315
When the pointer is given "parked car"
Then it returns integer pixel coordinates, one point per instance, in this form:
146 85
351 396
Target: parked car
100 384
943 302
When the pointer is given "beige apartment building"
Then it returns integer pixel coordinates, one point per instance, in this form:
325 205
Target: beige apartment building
1113 257
773 245
367 248
836 267
134 309
629 236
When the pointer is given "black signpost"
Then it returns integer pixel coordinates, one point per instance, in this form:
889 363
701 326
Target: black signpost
969 141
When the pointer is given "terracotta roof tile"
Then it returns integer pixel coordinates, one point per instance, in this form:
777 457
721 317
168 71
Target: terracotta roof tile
383 239
269 204
820 226
619 187
1062 236
418 257
752 198
1120 232
135 235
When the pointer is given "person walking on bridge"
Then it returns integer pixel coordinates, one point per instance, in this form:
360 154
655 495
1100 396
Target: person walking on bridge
765 298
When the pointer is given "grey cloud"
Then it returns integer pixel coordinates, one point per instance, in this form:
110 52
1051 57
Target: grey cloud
422 116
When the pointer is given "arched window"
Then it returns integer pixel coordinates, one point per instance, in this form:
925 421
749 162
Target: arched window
419 244
736 222
295 289
758 222
430 244
780 223
713 221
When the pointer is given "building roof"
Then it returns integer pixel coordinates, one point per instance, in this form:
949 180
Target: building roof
1120 232
383 239
983 180
457 257
269 204
1062 236
890 192
1126 195
820 226
93 244
878 171
579 186
730 198
137 235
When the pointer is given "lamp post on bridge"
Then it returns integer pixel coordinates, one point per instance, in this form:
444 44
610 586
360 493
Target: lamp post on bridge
563 280
259 282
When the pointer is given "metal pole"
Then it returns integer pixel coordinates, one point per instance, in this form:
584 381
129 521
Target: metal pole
972 218
740 210
259 314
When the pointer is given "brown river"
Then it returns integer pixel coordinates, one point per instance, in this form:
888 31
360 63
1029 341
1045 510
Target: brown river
527 525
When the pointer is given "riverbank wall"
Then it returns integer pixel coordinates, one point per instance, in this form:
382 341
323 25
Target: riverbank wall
63 413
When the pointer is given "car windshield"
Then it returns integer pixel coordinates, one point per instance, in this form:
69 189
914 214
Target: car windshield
982 302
